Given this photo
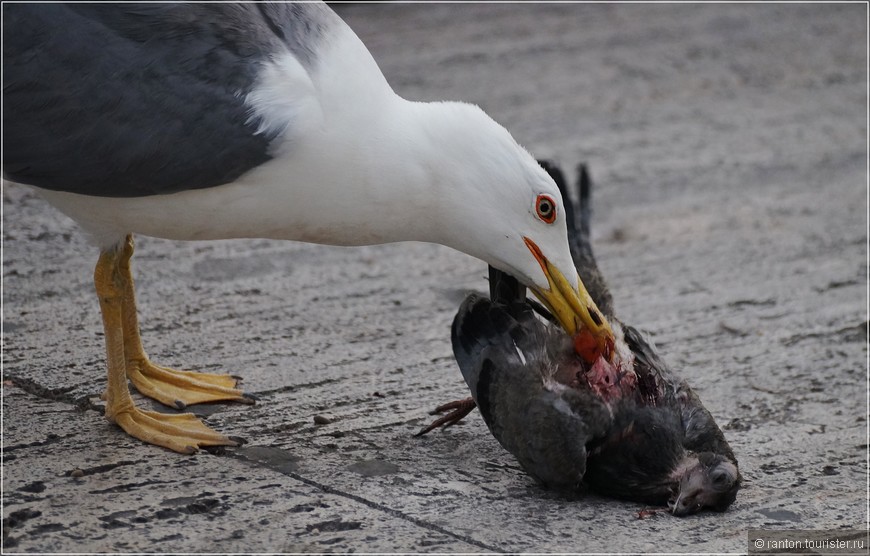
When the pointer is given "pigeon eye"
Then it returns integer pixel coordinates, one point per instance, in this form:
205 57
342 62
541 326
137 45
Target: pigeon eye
545 207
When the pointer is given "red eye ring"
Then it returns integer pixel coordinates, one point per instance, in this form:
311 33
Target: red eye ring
545 207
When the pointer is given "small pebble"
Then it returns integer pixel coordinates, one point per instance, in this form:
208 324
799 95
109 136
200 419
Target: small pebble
76 473
322 420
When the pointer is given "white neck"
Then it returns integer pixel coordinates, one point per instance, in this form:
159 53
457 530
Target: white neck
337 188
345 188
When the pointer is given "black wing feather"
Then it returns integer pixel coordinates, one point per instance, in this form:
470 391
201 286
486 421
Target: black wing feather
546 427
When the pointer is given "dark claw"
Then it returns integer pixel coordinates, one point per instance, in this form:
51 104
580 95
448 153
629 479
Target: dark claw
648 512
458 410
455 404
222 450
249 399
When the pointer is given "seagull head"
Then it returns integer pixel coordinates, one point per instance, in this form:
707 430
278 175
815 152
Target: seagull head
500 206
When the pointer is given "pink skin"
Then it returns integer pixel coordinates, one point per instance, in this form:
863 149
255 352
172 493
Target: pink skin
609 381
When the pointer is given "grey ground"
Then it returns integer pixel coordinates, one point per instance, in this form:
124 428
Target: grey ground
728 145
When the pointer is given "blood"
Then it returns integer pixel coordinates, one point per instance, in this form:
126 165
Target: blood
610 380
587 346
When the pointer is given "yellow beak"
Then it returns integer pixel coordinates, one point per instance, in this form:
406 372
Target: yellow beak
573 308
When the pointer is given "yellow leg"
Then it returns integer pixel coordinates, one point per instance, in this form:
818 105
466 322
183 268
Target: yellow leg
170 387
183 433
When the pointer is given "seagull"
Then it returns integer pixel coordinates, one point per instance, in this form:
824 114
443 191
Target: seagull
202 121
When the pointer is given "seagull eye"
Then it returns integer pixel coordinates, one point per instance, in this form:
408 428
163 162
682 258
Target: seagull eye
545 207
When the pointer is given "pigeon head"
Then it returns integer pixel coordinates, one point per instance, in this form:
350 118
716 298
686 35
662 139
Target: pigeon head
704 481
642 458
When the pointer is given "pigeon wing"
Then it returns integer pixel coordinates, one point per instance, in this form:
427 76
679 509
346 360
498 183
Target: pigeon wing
506 361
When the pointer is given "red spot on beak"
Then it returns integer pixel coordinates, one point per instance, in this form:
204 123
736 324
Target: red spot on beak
586 345
590 348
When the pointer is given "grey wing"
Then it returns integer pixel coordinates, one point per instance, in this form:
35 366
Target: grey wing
481 325
546 426
128 100
547 431
701 433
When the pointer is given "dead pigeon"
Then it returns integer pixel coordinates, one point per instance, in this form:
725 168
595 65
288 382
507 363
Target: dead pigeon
624 426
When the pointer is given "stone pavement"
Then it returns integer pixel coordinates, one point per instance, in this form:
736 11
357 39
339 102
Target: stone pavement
728 147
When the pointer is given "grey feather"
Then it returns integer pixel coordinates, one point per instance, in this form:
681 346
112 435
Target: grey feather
507 357
129 100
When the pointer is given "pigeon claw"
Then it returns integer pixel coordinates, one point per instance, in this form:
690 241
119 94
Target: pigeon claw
458 410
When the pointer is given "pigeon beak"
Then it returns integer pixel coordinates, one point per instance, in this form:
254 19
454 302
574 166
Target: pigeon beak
572 307
677 506
683 505
687 498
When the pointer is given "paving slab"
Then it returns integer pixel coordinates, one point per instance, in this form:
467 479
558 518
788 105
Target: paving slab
728 148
